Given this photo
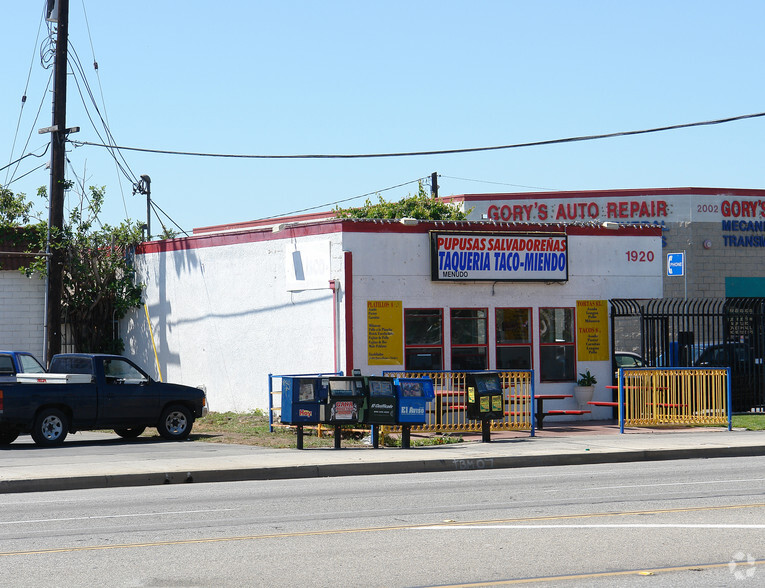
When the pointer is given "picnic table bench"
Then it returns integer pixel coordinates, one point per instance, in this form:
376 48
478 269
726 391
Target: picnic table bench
541 414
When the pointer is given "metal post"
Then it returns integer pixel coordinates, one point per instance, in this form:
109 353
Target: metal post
486 431
146 185
406 431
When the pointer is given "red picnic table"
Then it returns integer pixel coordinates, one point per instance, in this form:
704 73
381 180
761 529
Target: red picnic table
541 414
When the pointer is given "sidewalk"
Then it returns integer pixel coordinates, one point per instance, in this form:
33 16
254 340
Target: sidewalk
102 460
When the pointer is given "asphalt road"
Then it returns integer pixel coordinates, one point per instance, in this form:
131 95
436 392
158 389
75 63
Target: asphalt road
668 523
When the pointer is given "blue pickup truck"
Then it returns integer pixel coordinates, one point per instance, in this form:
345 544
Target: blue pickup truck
18 362
96 391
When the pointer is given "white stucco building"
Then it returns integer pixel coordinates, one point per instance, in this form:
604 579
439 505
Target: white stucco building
229 305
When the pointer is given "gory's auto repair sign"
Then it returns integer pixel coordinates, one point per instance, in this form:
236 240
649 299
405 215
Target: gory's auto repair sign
498 256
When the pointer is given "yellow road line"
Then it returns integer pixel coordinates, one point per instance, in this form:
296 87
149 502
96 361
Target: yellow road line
644 572
207 540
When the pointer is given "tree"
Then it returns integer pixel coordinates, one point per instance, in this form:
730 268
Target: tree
421 206
99 280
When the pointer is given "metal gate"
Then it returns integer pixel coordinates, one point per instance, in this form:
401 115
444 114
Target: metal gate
705 332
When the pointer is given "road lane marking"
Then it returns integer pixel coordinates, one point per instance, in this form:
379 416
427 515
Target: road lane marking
479 526
115 516
593 575
666 484
328 532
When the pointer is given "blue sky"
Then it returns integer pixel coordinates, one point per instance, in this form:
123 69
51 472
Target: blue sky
284 78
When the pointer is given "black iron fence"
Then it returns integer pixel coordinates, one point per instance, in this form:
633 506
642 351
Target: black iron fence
708 332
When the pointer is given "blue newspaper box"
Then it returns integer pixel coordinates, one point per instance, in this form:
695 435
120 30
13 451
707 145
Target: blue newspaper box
413 396
302 398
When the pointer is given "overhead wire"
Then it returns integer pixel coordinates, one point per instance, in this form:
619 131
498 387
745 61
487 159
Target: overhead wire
17 178
156 208
434 152
24 95
494 183
32 154
103 101
31 129
336 202
122 165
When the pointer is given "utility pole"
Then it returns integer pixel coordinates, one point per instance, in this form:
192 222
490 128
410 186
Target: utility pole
57 182
434 184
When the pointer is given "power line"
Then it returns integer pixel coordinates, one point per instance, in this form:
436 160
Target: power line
343 200
436 152
494 183
123 166
103 101
46 146
156 208
24 95
34 124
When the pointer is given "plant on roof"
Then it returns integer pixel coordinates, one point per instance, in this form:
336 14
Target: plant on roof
420 206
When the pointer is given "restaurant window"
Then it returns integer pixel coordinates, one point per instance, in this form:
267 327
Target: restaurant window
469 341
424 347
513 330
556 345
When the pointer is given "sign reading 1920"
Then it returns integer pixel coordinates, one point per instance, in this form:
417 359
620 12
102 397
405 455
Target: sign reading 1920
495 257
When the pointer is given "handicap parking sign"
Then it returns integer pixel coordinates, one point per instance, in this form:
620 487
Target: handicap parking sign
676 264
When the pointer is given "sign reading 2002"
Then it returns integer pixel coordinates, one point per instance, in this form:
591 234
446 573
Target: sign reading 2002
514 257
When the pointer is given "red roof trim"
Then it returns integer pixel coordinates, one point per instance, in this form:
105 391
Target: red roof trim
383 226
265 222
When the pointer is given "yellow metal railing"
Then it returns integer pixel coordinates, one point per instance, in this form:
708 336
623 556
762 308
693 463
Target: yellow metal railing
447 413
678 396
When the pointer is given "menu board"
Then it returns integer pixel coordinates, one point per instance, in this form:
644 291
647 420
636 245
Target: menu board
385 319
592 330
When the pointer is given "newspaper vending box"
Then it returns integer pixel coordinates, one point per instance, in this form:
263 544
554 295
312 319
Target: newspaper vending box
413 397
485 399
346 401
302 398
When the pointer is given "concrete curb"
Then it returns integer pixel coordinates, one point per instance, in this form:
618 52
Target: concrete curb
424 465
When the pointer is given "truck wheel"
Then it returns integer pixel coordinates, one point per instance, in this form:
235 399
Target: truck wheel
51 427
175 423
130 432
8 436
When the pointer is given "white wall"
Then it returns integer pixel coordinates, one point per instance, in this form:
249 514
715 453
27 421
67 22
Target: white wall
22 313
223 317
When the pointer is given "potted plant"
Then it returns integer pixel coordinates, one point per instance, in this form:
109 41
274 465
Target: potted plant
584 389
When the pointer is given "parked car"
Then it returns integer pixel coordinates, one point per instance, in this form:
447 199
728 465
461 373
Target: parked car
627 359
681 356
732 355
746 367
18 362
